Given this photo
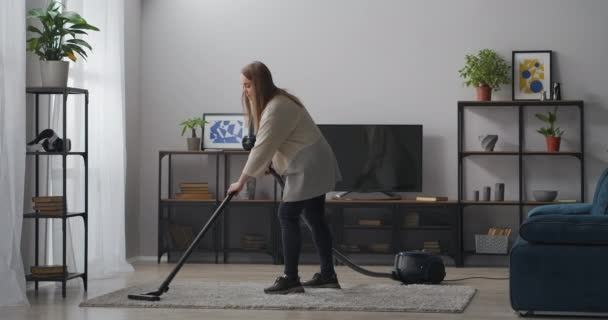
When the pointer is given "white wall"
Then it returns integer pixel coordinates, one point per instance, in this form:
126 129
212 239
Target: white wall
133 122
366 62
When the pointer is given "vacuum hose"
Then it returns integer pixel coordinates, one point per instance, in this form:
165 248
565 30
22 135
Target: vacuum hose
337 254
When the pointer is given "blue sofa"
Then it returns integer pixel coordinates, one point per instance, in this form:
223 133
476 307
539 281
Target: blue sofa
559 262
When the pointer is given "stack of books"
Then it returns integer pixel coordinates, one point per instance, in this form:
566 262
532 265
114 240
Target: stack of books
52 206
499 231
412 220
47 271
370 222
424 198
194 191
253 242
379 247
432 246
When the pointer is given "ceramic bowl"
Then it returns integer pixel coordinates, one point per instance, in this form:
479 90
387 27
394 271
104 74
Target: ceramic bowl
545 195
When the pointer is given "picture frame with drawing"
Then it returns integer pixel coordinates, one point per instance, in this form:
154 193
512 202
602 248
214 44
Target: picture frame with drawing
532 74
223 131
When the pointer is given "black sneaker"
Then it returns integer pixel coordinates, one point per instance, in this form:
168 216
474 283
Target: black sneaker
320 281
283 285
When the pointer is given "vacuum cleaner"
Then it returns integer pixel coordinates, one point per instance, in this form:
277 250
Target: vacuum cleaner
410 267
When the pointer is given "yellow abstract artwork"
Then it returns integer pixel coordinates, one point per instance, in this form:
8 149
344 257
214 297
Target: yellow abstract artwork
531 76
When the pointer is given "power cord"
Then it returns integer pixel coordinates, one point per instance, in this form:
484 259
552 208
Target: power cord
486 278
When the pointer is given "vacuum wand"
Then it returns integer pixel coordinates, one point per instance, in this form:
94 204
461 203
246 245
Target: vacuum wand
164 287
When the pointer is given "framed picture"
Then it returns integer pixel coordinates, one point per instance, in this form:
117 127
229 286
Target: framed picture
532 73
223 131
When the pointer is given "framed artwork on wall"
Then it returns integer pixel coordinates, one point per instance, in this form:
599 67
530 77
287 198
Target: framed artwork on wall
223 131
532 73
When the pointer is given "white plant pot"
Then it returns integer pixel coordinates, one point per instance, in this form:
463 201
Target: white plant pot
54 73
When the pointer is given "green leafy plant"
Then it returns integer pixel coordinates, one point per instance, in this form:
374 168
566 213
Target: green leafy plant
192 124
57 32
485 68
550 118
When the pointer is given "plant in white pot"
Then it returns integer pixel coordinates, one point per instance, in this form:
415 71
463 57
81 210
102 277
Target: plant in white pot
55 37
194 142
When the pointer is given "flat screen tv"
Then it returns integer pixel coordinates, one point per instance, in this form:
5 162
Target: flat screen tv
377 158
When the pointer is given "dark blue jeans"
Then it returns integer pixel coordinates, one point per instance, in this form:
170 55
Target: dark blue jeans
314 217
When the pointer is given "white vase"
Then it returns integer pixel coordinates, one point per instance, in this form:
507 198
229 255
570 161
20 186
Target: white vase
54 73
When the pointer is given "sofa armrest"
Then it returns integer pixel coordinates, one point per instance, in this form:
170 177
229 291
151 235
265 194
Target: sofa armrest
566 229
570 208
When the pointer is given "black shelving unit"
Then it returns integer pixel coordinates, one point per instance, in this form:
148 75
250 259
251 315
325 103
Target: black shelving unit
65 93
168 207
520 153
397 231
336 211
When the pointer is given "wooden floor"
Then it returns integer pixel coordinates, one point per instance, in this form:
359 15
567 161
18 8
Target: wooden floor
490 302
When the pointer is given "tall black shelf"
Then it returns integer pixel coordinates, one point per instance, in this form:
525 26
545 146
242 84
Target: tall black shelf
65 93
520 153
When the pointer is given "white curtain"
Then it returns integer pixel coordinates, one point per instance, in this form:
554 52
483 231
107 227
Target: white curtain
12 150
103 75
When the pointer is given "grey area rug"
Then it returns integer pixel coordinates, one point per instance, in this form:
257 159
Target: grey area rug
249 295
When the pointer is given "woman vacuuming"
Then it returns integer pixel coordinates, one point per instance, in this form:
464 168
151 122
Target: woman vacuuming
288 140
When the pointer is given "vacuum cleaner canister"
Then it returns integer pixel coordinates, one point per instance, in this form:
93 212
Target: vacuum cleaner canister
418 267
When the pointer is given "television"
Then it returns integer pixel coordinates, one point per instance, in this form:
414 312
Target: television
377 158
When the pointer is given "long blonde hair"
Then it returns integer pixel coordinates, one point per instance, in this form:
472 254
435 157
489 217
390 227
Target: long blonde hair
264 89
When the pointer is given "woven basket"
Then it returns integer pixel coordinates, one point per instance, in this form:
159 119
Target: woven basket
491 244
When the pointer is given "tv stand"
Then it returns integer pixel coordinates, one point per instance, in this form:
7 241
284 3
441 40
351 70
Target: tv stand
352 195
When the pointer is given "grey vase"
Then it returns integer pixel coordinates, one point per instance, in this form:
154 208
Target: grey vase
499 192
250 187
488 141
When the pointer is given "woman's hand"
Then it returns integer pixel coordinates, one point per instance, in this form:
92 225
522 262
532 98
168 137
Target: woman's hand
235 188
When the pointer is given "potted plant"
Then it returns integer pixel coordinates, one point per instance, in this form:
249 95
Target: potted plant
486 71
56 38
552 134
194 142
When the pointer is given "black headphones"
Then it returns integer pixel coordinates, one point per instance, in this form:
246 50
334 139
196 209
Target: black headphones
249 140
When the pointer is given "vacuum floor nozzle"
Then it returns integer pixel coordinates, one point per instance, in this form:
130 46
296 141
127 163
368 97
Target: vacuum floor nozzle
145 297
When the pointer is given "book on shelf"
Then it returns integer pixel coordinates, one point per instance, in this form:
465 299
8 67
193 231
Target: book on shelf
194 196
370 222
52 199
567 200
412 220
499 231
48 205
51 212
37 208
431 246
195 190
52 270
431 198
194 185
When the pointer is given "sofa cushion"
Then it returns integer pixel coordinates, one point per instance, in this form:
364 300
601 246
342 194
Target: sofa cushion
600 199
569 208
566 229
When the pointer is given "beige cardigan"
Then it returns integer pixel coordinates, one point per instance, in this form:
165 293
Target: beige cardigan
289 138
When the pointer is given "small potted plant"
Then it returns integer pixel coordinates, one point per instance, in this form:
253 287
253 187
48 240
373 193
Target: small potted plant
486 71
56 38
552 134
194 142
